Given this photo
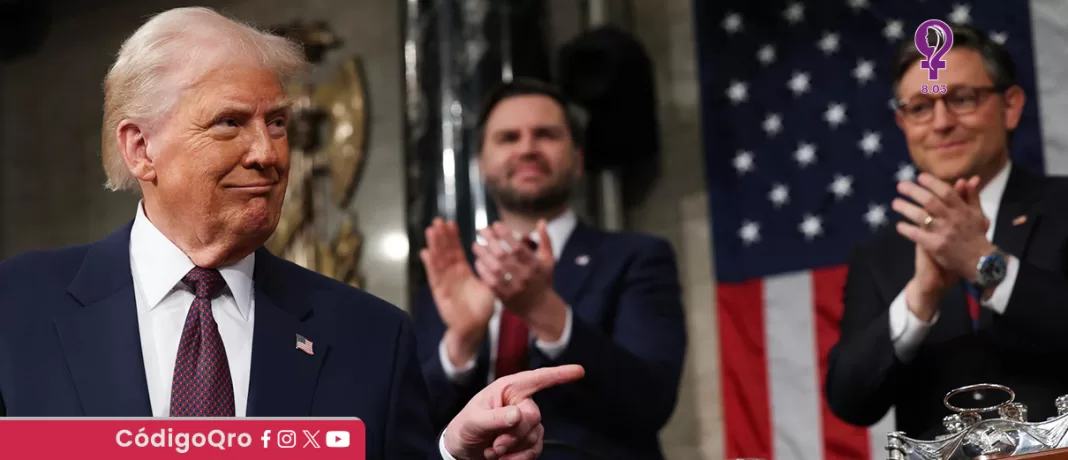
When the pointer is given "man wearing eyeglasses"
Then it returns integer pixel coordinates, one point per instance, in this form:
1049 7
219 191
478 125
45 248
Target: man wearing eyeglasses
970 286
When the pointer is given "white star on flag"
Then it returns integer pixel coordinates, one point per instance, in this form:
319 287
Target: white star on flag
906 173
766 54
894 30
835 114
811 226
794 13
870 143
750 232
737 92
961 14
773 124
743 162
799 83
779 195
829 43
864 71
732 23
876 216
805 154
842 186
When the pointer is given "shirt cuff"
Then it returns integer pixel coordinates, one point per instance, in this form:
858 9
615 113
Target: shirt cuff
445 455
907 331
553 350
455 374
999 299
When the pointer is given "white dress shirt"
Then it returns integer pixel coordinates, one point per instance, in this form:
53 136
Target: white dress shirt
163 301
907 331
559 230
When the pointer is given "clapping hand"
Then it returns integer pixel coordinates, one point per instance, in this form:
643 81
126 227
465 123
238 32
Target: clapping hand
519 276
464 302
949 226
949 229
522 278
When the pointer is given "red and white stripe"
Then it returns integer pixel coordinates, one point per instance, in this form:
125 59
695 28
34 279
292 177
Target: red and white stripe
775 334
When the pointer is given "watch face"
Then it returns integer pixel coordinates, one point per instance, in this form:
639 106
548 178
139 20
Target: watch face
995 271
992 270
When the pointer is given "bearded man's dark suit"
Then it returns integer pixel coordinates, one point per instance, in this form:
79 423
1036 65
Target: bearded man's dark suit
629 333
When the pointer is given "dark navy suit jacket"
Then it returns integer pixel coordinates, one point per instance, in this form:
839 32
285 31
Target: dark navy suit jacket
865 377
628 332
70 347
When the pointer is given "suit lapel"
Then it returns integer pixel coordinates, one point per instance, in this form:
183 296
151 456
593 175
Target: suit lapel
571 270
1018 212
283 377
100 338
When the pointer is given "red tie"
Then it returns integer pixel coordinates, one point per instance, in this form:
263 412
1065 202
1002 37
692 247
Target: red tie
513 339
511 345
973 308
202 386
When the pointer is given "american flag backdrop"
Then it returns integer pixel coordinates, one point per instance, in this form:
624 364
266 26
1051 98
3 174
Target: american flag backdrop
802 156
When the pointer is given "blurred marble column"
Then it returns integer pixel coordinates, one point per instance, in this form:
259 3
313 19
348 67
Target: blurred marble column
455 51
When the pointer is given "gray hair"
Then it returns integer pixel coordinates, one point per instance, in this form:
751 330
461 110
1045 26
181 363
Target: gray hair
166 56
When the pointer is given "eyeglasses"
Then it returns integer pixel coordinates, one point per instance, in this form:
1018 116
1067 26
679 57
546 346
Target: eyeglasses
960 100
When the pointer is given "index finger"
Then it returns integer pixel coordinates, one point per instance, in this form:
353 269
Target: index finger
940 189
519 250
972 185
545 250
523 385
925 198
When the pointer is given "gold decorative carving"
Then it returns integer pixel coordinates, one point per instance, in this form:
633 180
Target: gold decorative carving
327 148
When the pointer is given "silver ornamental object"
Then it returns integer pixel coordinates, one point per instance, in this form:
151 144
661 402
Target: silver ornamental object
968 436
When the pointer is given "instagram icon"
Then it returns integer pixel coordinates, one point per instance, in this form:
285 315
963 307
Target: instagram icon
287 439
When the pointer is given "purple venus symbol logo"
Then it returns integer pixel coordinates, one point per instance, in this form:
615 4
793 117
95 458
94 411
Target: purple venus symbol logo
942 37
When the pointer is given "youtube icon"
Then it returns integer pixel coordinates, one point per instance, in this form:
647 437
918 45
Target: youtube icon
337 439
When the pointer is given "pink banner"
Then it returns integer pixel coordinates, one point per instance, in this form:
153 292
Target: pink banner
185 438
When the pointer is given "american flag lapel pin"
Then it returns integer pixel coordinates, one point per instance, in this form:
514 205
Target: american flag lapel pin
1019 220
305 345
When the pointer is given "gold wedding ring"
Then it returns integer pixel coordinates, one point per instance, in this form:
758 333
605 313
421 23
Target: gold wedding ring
927 221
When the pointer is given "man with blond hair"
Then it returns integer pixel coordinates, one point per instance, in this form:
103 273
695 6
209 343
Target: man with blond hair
182 312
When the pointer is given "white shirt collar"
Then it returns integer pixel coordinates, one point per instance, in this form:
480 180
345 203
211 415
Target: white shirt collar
990 195
559 230
159 266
